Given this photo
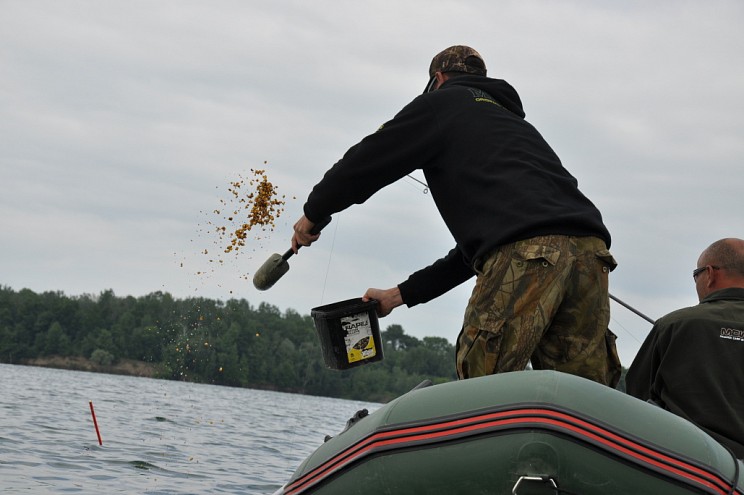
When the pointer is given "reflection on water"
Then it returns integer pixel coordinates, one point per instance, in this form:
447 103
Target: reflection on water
159 437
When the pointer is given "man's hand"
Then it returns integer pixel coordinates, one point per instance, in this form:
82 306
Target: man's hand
387 300
302 235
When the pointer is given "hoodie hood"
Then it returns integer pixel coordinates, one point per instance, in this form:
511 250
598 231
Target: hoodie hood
500 90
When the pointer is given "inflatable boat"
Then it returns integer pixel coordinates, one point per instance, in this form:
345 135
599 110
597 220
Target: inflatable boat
529 432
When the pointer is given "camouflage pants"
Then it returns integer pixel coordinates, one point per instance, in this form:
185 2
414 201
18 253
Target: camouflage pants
543 300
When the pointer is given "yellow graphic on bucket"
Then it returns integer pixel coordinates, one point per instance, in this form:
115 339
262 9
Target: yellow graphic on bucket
358 337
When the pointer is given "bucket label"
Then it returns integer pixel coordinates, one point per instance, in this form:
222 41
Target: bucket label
358 338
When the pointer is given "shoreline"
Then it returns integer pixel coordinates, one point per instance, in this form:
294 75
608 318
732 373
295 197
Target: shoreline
76 363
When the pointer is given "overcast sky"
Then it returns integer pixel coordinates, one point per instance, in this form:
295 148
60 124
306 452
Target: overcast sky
122 124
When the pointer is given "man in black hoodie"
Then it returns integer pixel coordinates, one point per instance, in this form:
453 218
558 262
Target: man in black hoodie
536 244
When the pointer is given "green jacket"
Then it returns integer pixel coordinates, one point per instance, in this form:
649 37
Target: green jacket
692 364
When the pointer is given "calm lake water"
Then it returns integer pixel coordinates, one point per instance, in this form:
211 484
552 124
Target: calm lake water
159 437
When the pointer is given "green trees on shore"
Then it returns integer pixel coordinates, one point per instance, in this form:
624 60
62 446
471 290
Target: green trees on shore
225 343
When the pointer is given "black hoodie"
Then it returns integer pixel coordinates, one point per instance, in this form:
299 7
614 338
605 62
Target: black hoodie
492 176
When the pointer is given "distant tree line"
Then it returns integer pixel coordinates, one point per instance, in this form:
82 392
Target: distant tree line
226 343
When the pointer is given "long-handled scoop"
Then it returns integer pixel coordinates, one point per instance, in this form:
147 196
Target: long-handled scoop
276 266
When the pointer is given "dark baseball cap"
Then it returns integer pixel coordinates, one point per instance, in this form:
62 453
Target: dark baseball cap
457 58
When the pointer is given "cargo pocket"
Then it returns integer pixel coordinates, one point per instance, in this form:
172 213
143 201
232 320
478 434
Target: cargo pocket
477 352
535 252
606 257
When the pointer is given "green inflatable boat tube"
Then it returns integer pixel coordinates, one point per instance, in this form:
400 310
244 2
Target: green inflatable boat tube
529 432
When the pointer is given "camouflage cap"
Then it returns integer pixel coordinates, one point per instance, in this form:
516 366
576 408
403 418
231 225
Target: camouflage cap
458 58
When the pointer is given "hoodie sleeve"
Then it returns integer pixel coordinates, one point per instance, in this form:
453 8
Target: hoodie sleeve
442 276
399 146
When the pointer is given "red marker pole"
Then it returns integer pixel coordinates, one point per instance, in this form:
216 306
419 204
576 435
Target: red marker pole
95 423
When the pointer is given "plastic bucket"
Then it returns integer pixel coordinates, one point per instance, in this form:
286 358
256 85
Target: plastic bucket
349 333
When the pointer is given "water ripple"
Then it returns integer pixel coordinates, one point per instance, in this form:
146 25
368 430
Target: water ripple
159 437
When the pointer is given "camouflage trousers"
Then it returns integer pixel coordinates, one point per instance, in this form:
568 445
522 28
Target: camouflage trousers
543 300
